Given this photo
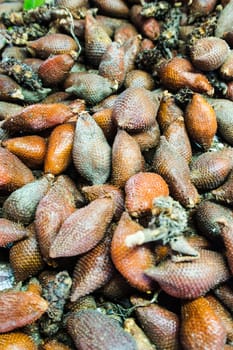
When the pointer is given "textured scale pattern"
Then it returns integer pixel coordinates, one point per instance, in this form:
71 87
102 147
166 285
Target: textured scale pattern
227 236
17 340
224 293
18 309
168 112
104 119
200 326
91 152
159 324
83 229
134 110
132 48
140 191
190 279
224 193
93 270
126 158
139 79
10 90
148 138
131 262
95 331
55 345
175 171
11 231
113 8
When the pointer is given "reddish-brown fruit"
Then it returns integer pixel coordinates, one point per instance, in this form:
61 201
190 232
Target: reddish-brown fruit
113 8
53 44
90 329
58 155
190 279
18 309
112 64
148 138
72 4
125 32
107 102
34 63
132 48
30 149
225 293
83 229
176 135
11 231
200 121
146 44
148 26
200 8
13 173
201 327
57 97
135 110
223 314
55 69
105 190
224 193
210 170
104 119
117 287
92 270
159 324
126 158
140 191
7 109
37 117
179 73
25 258
137 78
168 112
54 344
9 89
226 70
209 53
175 171
229 93
57 205
96 40
226 229
131 262
17 341
142 341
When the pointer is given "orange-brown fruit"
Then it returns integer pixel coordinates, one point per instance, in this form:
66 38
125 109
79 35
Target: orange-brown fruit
83 229
135 110
190 279
9 89
105 190
30 149
175 171
126 158
92 270
209 53
17 341
37 117
140 191
104 119
11 231
147 44
18 309
13 173
224 293
168 111
159 324
177 136
201 328
124 32
178 73
147 26
53 44
224 193
131 262
25 257
58 155
96 40
55 69
113 8
148 138
55 345
223 314
201 122
139 78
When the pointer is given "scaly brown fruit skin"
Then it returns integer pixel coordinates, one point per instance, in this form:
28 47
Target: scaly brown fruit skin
179 73
124 32
11 231
10 90
224 193
59 150
104 119
137 78
93 270
223 314
34 63
200 121
159 324
25 257
13 173
141 189
200 8
113 8
132 48
148 138
17 340
55 345
117 287
18 309
55 69
92 330
147 26
201 327
53 44
30 149
168 112
209 53
226 70
143 342
190 279
96 40
131 262
226 232
134 110
83 229
38 117
56 97
127 159
175 171
72 4
7 109
224 293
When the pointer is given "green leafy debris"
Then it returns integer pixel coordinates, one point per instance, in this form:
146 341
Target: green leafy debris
31 4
